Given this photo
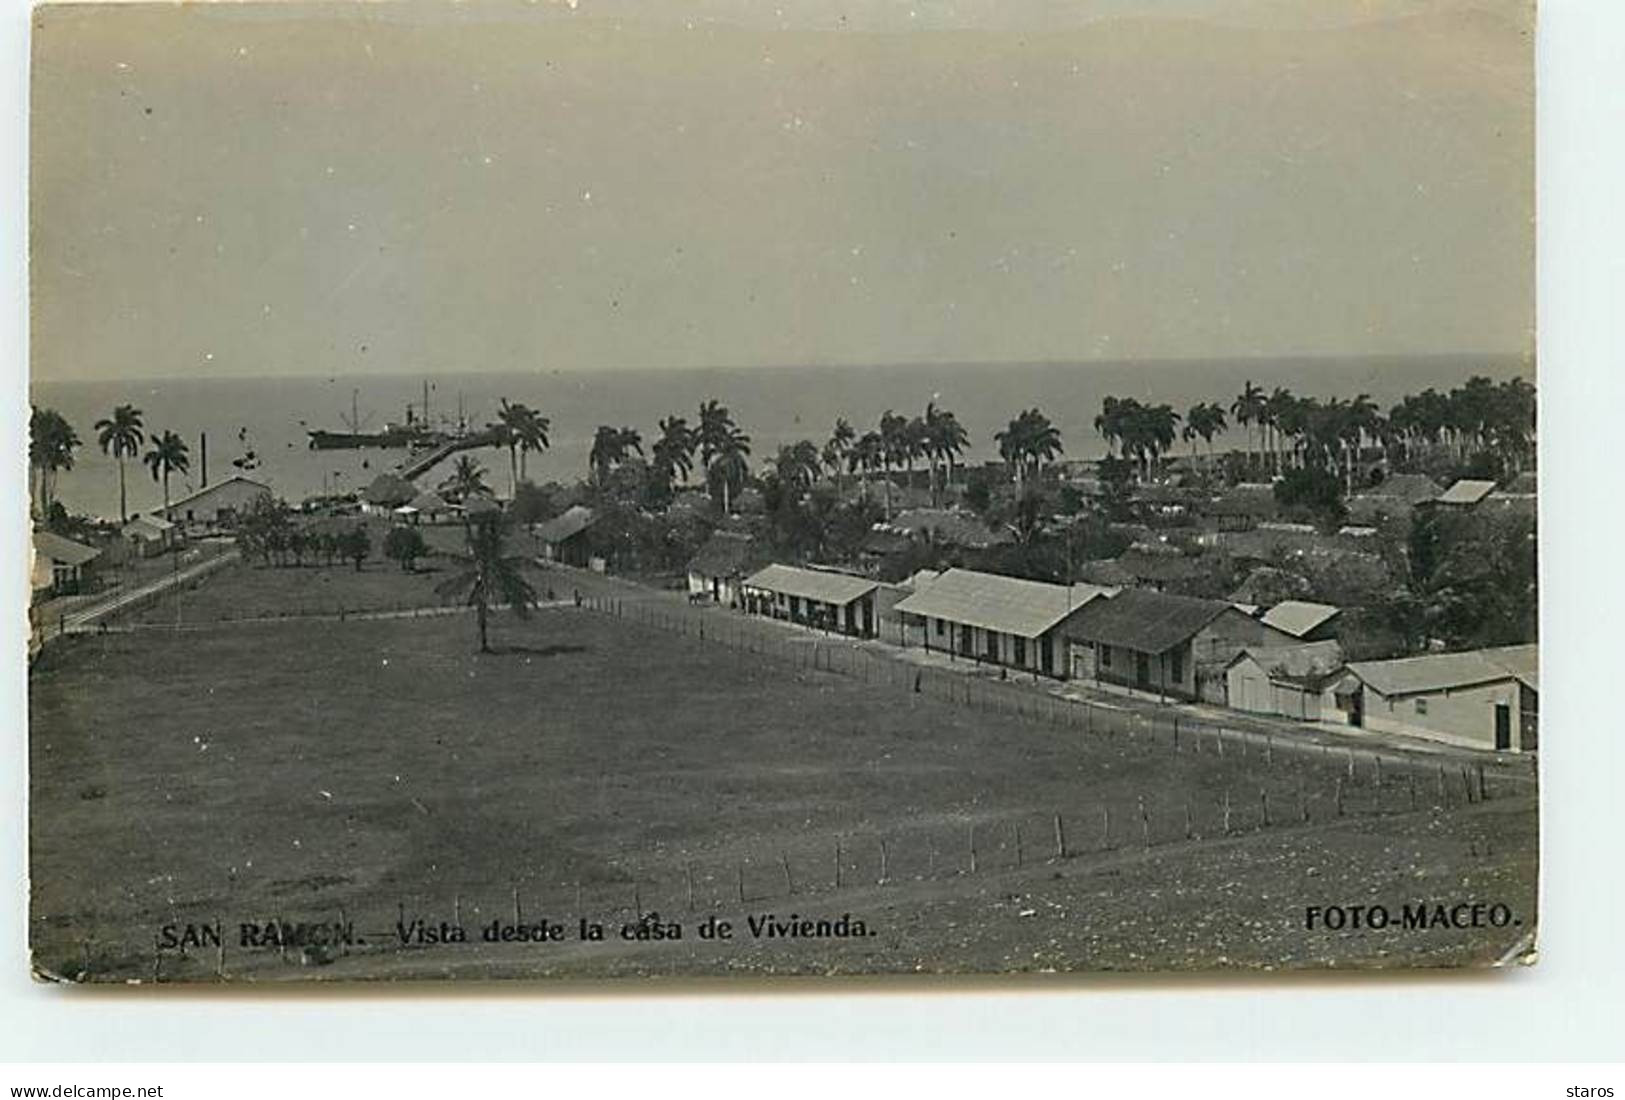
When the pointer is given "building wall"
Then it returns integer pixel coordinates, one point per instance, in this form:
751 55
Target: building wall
1465 717
945 635
1171 673
1248 687
230 496
1220 639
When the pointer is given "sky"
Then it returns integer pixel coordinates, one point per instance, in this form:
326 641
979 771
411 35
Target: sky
251 190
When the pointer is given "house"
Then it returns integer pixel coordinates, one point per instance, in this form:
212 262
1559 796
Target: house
946 527
1154 641
217 507
62 567
815 597
387 492
1291 681
1483 698
150 535
1267 585
564 538
1003 620
718 569
427 506
1464 493
1159 567
1311 622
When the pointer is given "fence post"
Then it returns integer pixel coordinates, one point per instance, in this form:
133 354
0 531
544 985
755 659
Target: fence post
1189 830
789 879
973 847
1060 838
885 861
689 875
1227 811
1264 802
1339 796
1105 826
741 870
1483 789
837 863
1145 822
1020 851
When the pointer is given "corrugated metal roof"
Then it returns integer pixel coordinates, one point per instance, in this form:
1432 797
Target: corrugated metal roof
54 547
220 486
1466 492
1146 621
1008 605
1440 671
1298 617
811 584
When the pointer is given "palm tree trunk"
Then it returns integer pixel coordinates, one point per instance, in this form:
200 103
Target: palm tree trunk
123 507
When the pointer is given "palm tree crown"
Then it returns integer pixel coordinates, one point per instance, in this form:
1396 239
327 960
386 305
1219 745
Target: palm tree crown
120 435
167 456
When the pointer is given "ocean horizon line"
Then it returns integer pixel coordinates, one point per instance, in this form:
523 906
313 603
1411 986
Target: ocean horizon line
1500 357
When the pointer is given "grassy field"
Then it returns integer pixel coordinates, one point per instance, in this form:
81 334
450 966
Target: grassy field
370 770
244 590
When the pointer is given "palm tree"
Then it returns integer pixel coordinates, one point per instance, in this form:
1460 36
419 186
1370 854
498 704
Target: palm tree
1111 421
1248 409
716 427
610 448
867 455
467 479
893 443
490 577
839 448
1027 442
120 435
797 464
51 442
168 456
730 466
520 429
674 451
1276 406
945 440
1206 420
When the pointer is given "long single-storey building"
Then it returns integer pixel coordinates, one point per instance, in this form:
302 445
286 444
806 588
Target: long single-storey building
1002 620
1292 681
1482 698
814 597
218 506
1154 642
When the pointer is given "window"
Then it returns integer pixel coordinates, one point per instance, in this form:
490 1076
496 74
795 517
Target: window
942 628
1178 669
1021 650
1421 706
1105 656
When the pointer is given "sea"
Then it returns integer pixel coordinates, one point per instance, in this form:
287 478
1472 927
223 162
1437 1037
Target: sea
257 427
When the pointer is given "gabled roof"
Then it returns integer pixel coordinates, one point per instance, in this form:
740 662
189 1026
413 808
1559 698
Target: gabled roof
812 584
568 524
1150 622
921 578
1146 564
54 547
1306 664
429 501
1445 671
1466 491
234 479
727 554
1008 605
1299 617
943 525
1244 500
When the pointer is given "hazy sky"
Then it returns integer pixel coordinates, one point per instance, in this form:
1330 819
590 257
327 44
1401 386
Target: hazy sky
243 190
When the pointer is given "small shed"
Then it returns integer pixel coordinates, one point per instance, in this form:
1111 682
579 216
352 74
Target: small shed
1290 681
564 538
717 570
1465 493
1482 698
150 535
427 507
62 567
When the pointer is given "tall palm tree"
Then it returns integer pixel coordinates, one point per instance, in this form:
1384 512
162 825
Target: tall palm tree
730 466
839 448
894 440
716 427
489 578
1248 409
798 464
120 435
945 440
610 448
673 452
167 456
521 429
51 443
1027 442
868 454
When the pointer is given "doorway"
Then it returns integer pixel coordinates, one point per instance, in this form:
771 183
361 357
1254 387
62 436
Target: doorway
1503 727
